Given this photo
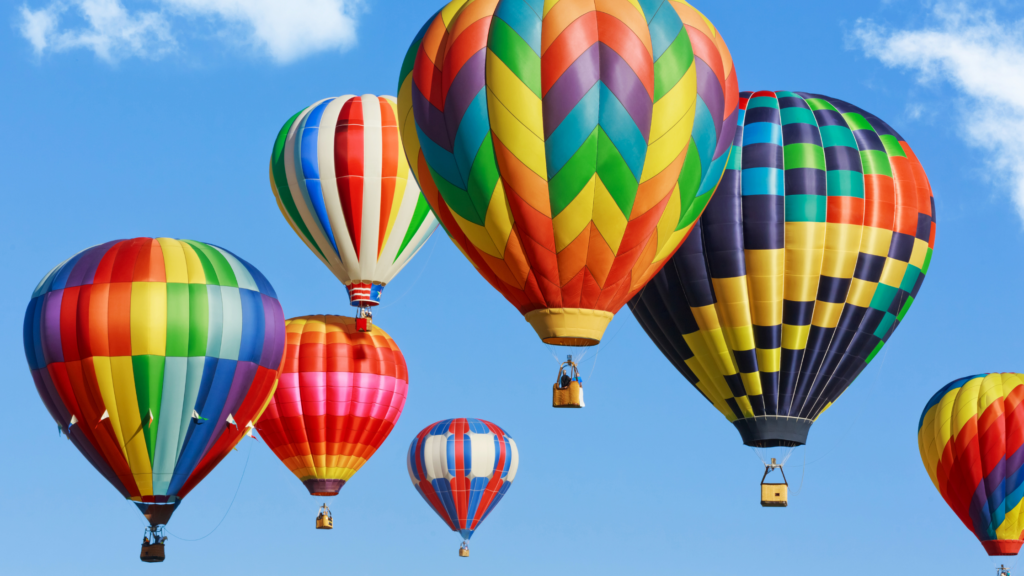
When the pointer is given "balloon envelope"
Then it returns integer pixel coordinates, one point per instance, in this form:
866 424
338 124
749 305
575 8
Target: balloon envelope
568 147
339 394
342 181
462 467
971 437
144 350
804 263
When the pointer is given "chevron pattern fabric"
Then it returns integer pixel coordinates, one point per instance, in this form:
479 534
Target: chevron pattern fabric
568 146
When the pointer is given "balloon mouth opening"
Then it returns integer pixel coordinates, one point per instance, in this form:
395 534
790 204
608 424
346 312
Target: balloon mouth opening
321 487
774 431
1002 547
571 341
569 326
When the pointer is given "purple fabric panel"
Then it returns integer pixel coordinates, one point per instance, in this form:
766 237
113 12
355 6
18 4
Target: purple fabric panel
729 131
244 374
567 91
429 120
712 93
49 327
466 85
85 269
620 78
273 333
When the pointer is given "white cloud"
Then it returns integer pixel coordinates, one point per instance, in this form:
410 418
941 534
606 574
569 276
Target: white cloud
983 58
285 31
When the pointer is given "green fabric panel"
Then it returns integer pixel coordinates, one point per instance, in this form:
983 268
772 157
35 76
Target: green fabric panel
845 183
570 180
689 181
875 162
177 319
673 65
819 104
909 279
878 348
198 319
927 262
511 49
457 199
225 275
281 182
803 156
695 210
883 296
149 385
857 122
418 216
798 116
483 177
208 269
884 325
763 102
806 208
892 146
615 173
905 309
837 136
735 158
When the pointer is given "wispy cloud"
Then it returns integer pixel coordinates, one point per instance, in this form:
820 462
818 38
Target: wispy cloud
284 31
982 57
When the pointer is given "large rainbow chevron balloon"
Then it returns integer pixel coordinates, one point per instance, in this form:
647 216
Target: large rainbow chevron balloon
155 356
568 146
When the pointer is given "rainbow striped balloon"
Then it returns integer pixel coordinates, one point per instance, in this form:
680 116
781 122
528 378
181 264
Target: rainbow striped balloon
342 181
568 146
340 393
971 437
155 356
462 468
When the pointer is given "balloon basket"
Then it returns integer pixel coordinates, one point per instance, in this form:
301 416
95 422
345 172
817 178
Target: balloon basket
364 324
324 520
152 553
774 495
568 389
464 551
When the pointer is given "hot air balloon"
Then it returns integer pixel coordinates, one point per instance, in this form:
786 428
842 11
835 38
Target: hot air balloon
155 357
567 147
342 181
339 395
462 467
804 263
971 436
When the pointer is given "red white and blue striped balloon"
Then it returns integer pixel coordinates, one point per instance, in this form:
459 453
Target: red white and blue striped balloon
462 467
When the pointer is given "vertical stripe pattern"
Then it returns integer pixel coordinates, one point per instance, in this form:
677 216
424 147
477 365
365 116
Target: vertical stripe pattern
133 337
971 437
462 467
812 250
338 397
568 146
341 179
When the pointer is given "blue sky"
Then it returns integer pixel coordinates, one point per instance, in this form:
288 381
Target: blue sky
157 118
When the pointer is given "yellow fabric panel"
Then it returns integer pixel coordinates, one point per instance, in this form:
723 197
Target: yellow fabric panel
407 127
892 273
575 217
875 241
667 223
174 261
769 359
745 407
149 318
966 405
719 350
674 240
665 150
826 314
520 141
926 444
608 218
130 422
498 220
919 254
765 278
733 302
706 316
805 242
842 246
675 106
196 274
751 383
795 337
861 292
520 101
741 337
715 386
105 382
451 10
478 235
